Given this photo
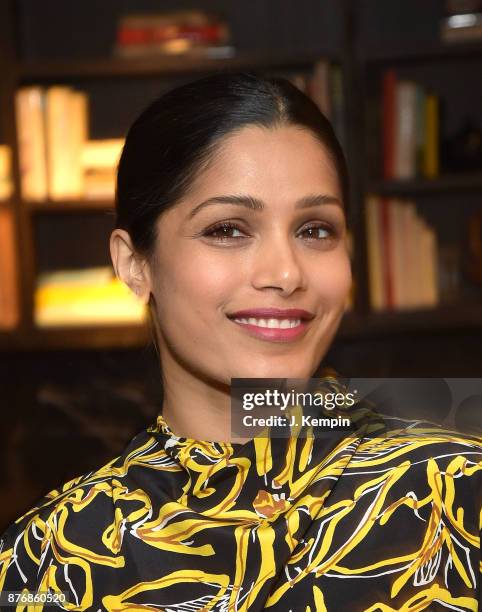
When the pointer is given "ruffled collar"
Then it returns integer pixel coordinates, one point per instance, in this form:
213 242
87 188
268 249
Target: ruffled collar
267 470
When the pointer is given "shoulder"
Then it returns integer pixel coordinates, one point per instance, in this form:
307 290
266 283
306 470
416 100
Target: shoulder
25 540
84 505
424 454
409 439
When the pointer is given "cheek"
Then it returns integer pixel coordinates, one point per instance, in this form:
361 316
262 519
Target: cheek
197 287
332 278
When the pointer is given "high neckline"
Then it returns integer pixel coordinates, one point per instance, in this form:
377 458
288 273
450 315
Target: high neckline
266 449
161 426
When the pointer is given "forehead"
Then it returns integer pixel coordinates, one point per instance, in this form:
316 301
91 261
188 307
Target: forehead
287 161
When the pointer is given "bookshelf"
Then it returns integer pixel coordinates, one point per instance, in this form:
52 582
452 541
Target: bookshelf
361 69
409 53
455 183
98 337
47 71
72 206
449 197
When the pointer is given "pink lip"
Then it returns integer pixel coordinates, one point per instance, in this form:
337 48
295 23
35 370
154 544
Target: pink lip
273 313
274 334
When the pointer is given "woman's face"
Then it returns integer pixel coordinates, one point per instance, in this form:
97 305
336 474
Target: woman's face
262 228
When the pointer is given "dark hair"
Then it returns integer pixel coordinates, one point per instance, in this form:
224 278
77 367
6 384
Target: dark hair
175 137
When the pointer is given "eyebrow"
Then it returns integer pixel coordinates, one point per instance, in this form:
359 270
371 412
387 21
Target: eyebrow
257 204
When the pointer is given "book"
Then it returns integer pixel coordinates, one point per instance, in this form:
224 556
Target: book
30 123
300 81
402 256
405 136
395 259
318 87
462 21
431 153
100 184
420 129
473 266
428 266
171 33
350 301
66 131
101 154
410 129
6 184
409 254
9 300
375 252
387 256
338 104
79 131
325 87
90 296
463 28
99 162
61 163
389 81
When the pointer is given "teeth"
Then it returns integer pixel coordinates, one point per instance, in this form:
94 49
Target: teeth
271 323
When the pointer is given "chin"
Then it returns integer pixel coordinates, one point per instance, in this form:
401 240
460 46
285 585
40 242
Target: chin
273 371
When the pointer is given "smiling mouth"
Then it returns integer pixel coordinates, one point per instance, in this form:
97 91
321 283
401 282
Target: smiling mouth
270 323
273 329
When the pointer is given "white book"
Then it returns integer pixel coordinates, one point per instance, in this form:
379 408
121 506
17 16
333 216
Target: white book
410 246
100 154
396 262
419 255
65 122
429 267
78 135
30 123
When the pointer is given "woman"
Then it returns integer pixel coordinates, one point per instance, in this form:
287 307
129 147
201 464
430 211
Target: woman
231 224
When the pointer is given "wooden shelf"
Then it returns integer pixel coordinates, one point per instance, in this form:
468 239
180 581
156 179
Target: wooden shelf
464 316
454 317
71 206
449 183
357 65
101 337
410 53
160 65
469 182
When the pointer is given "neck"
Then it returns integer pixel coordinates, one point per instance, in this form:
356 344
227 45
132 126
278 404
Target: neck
193 408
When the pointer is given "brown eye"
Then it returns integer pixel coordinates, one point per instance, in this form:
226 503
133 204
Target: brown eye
224 231
318 232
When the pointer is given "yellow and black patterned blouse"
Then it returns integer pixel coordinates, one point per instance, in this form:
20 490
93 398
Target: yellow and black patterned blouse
339 523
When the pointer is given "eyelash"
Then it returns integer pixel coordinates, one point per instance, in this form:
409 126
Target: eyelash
228 225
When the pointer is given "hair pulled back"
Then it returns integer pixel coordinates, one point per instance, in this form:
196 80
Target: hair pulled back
176 135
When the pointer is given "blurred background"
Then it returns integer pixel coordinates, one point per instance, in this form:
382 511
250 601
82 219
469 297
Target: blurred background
400 81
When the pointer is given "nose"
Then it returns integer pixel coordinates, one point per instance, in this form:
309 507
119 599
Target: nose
277 266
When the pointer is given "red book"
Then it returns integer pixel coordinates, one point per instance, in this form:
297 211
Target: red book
388 123
203 33
132 36
138 35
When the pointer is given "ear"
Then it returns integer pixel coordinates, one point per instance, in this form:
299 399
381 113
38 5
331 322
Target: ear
129 267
